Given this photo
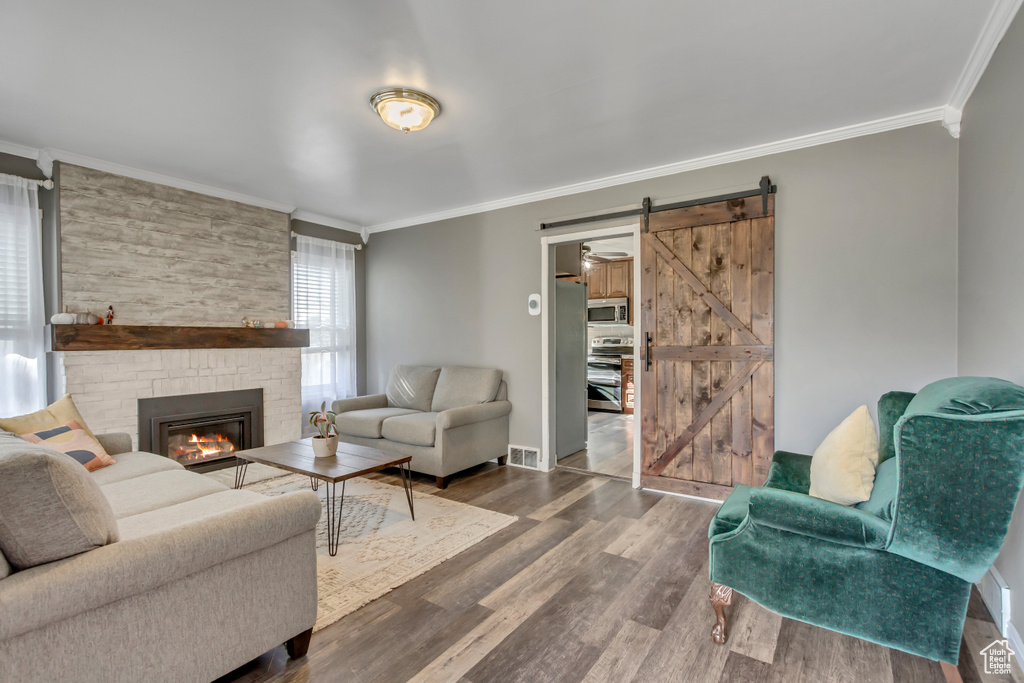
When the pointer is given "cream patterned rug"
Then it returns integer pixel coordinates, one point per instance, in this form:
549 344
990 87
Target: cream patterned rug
381 547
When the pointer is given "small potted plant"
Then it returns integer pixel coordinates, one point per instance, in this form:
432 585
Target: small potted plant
325 444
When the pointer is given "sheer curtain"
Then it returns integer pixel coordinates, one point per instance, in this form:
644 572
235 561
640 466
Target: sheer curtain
324 301
22 353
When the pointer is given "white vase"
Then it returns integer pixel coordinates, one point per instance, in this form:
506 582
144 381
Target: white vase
325 448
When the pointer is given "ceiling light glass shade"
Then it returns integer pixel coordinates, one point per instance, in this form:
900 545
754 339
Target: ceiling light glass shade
405 109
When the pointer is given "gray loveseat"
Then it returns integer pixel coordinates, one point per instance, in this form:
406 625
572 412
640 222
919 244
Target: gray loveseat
175 577
447 418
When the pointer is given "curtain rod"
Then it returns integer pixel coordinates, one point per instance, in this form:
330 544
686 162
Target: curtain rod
357 247
45 184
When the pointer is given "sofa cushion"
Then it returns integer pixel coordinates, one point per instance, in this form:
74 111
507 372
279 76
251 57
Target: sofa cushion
158 490
54 415
133 464
367 423
883 493
195 510
412 386
418 429
458 387
5 567
967 396
843 466
71 439
50 508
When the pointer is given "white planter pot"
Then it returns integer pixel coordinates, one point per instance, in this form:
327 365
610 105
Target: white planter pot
325 448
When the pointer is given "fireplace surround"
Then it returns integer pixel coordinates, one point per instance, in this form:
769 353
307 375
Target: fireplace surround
202 431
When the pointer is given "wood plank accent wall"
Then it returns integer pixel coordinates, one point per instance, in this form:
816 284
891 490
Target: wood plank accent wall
165 256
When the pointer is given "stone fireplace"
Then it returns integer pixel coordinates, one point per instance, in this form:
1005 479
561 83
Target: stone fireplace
170 258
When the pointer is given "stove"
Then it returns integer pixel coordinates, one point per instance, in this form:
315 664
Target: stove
604 372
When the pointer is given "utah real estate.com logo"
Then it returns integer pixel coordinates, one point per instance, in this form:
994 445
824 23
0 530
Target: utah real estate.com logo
997 658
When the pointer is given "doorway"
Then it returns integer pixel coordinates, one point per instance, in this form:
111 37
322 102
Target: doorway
589 419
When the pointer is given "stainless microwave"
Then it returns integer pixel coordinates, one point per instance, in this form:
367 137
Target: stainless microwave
608 311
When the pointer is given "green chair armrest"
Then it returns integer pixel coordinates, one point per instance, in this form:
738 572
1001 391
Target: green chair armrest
890 409
827 521
790 472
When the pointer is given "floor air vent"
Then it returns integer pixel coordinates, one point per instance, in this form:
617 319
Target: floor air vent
521 456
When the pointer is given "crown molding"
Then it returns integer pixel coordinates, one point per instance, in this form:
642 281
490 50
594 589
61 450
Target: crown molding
992 32
18 150
329 221
811 140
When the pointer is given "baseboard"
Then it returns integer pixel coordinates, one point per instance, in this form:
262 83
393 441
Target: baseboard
995 593
1016 644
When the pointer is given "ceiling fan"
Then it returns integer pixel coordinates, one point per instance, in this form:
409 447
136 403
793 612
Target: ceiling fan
590 256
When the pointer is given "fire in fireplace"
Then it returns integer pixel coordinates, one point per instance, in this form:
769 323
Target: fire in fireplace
202 431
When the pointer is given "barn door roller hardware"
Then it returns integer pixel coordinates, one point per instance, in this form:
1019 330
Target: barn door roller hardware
764 189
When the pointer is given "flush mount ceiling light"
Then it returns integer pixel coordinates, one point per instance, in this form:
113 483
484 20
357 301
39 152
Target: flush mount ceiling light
405 109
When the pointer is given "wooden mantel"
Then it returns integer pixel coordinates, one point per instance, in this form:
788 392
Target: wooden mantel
147 337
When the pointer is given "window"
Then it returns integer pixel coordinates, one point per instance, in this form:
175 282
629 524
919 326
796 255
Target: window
22 354
324 302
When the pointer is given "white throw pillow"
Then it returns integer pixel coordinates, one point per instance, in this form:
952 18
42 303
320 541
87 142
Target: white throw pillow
843 466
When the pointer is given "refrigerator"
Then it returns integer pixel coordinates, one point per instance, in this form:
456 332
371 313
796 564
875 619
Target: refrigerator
570 367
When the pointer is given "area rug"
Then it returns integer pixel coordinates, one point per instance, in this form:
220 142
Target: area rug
381 547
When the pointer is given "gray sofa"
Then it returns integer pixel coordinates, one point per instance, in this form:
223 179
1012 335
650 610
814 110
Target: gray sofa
186 579
447 418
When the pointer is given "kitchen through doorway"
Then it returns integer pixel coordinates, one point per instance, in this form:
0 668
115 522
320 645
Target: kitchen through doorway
594 343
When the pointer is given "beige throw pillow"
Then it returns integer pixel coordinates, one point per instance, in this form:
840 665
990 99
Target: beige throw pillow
843 466
50 506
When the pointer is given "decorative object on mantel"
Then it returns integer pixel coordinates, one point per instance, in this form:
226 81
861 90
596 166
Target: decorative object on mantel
110 315
326 444
284 324
64 318
143 337
87 318
253 324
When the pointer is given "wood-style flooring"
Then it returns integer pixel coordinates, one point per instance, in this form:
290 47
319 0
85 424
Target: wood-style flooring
609 448
596 581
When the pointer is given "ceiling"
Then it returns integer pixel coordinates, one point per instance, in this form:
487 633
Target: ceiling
270 99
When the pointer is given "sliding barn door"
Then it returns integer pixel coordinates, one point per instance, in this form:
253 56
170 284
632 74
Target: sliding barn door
707 308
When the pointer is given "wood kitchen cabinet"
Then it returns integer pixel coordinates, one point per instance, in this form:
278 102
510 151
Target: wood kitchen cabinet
611 280
619 278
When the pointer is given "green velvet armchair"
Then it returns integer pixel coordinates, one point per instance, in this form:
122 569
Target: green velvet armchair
896 570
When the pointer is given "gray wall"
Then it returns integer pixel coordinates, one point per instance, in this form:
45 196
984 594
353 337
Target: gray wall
991 326
327 233
866 240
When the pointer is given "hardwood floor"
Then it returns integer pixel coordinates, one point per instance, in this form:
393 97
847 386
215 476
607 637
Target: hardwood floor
595 582
609 448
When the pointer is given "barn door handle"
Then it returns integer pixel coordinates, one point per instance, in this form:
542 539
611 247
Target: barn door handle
647 352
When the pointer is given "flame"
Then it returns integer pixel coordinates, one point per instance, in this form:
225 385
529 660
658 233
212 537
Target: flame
199 447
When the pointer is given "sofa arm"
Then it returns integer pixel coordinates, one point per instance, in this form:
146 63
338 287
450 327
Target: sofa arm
45 594
458 417
115 442
346 405
817 518
790 472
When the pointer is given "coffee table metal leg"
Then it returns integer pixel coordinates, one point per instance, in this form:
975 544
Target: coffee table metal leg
334 508
314 483
240 468
407 485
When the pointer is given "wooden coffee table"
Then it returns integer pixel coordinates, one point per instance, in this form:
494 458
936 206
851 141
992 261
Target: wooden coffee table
350 461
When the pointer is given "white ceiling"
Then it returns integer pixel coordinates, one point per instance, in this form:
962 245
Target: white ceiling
270 99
